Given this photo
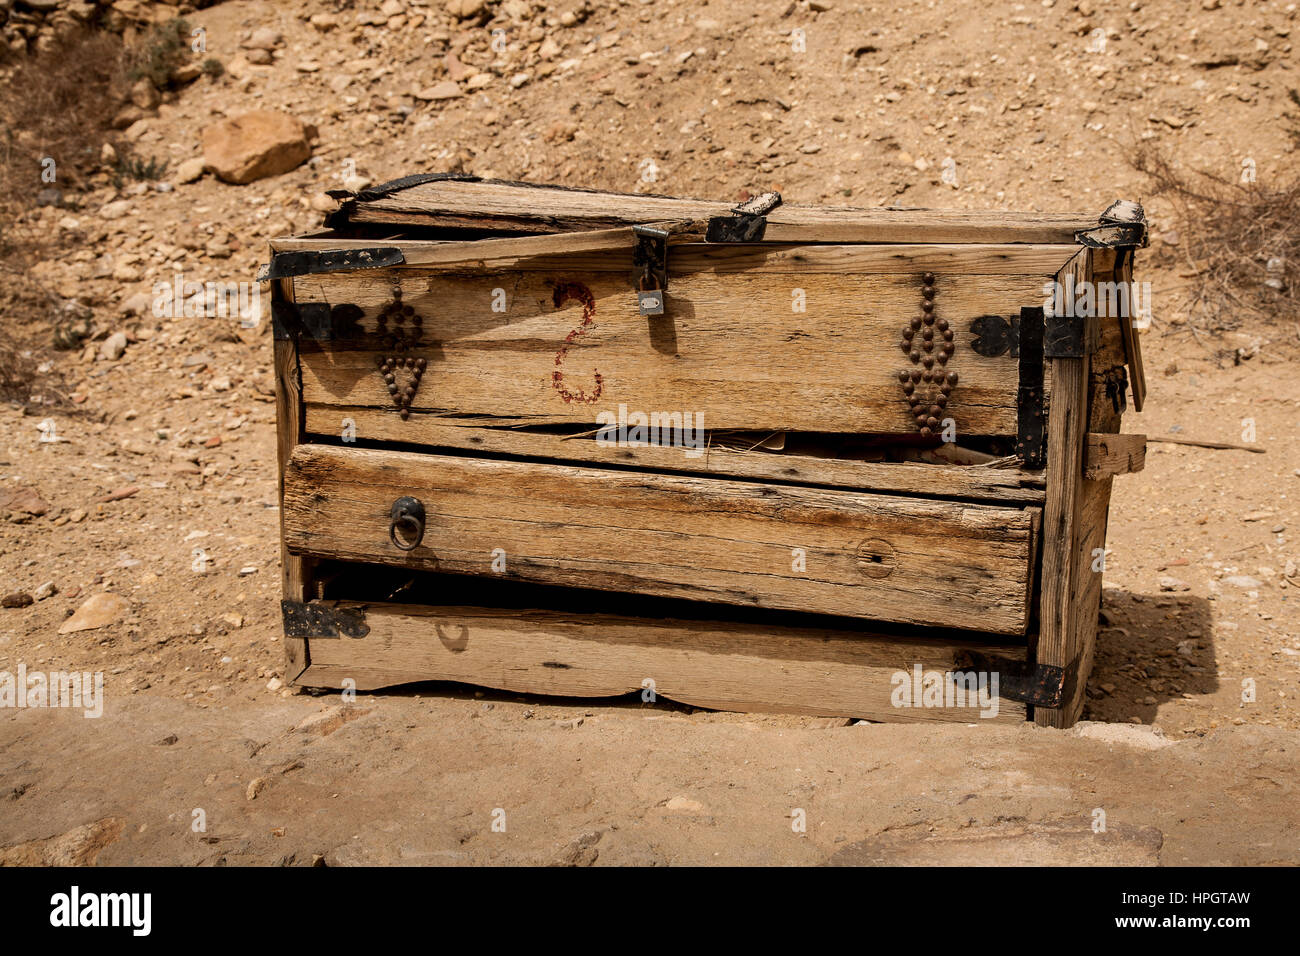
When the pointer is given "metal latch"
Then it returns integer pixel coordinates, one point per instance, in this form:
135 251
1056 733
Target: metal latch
651 258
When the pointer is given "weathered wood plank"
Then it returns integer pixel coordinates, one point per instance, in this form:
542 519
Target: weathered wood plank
541 209
1108 454
716 664
973 483
908 560
610 250
734 348
1086 577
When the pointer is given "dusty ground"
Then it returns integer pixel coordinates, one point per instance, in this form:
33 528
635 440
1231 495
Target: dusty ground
1197 598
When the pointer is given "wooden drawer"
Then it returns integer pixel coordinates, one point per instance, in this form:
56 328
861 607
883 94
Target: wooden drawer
872 556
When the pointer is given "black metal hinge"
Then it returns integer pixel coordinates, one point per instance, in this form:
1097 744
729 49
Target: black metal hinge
995 335
1031 408
284 265
1068 336
747 223
318 321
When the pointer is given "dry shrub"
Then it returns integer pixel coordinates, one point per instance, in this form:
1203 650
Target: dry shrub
163 49
57 105
1240 241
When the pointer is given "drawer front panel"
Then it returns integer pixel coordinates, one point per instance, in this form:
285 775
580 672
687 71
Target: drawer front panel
908 560
748 349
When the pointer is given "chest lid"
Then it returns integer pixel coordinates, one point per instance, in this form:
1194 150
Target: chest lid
457 205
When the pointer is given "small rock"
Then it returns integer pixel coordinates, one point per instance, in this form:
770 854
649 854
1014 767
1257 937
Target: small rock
17 599
263 39
145 95
683 805
113 346
1243 581
445 90
464 9
1170 583
48 589
26 501
99 610
189 171
115 210
139 304
274 684
255 786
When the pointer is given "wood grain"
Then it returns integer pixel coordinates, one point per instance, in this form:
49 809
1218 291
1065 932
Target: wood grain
716 664
730 347
610 250
1064 531
1107 455
969 483
510 207
912 561
295 571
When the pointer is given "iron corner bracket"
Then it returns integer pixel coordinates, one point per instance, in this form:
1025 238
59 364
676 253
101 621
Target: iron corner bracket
1123 225
747 223
322 621
1041 685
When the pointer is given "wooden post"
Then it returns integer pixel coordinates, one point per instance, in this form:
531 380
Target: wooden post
295 571
1067 627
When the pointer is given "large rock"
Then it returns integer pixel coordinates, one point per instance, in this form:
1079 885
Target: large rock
255 145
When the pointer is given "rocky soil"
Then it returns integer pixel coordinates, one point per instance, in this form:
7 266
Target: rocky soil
141 463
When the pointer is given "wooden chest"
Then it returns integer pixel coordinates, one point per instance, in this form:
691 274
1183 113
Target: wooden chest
815 460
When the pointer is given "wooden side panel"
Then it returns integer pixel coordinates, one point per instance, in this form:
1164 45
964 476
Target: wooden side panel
909 560
721 665
797 351
295 571
1075 514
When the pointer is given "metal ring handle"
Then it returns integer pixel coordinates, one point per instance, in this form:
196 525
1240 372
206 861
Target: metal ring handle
408 514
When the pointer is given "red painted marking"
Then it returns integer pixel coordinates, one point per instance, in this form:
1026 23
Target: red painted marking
565 291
